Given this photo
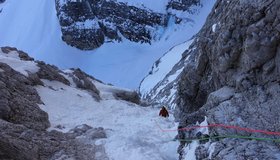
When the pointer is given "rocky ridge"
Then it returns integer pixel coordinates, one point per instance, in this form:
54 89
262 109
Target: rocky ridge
23 124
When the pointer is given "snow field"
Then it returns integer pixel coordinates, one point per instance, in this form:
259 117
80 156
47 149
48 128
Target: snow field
131 129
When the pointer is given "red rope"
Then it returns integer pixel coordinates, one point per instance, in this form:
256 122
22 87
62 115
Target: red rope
222 126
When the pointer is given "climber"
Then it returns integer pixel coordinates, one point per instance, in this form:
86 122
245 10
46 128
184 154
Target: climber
163 112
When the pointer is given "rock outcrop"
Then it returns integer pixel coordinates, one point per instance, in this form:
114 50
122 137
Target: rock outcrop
129 96
84 81
51 73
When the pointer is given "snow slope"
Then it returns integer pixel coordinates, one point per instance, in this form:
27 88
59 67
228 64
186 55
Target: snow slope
160 86
32 26
163 66
131 129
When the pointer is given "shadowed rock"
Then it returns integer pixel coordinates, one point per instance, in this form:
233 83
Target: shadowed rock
128 96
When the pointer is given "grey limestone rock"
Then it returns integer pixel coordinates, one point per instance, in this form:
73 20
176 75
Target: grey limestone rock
20 100
20 143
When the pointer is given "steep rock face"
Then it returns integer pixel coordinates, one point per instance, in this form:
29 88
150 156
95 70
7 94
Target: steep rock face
234 77
240 52
88 24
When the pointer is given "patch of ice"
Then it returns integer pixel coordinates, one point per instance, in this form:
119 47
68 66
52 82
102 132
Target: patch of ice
214 26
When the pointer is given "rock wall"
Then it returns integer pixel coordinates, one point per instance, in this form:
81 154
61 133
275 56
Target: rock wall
234 78
88 24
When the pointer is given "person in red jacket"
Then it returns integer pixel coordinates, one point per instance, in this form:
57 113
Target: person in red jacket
163 112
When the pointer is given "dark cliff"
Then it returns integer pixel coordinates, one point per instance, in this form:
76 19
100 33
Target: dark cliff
87 24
